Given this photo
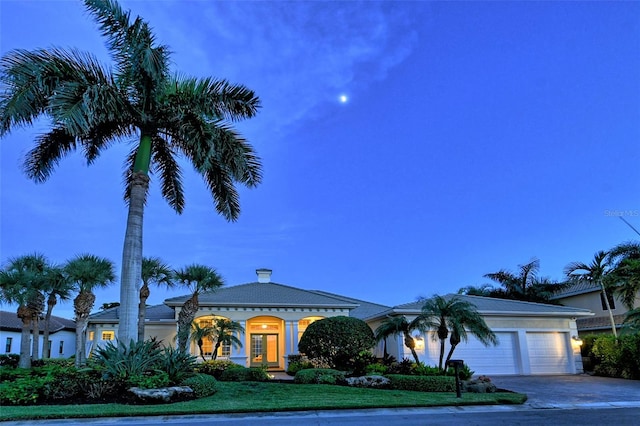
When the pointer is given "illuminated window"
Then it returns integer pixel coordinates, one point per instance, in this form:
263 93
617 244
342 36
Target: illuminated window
92 335
304 323
108 335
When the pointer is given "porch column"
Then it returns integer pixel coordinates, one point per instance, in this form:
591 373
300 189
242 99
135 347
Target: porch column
239 355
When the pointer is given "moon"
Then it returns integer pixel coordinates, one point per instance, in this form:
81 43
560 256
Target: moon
343 99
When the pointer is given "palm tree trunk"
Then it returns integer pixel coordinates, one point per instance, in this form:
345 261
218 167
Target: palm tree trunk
132 260
82 305
606 301
441 354
450 354
81 356
25 355
411 344
142 310
46 350
35 344
185 318
214 354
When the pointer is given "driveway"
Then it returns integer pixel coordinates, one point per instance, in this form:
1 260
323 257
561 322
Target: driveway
558 391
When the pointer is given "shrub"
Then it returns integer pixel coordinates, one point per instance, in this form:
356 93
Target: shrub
243 374
376 369
122 362
425 370
376 382
294 367
23 391
465 372
10 374
9 360
216 367
423 383
202 385
150 380
406 367
177 364
321 376
338 339
617 357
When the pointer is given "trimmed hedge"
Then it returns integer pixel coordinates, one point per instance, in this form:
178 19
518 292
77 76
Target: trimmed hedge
202 385
423 383
216 367
244 374
320 376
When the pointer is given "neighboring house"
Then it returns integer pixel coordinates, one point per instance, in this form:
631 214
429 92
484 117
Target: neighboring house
62 335
534 338
587 295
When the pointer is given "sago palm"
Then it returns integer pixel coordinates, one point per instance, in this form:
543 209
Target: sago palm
88 272
90 106
154 271
224 333
197 279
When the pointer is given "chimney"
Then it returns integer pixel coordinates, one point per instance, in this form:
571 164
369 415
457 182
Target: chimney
264 275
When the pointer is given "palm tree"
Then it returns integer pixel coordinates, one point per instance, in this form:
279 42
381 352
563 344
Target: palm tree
595 272
87 272
154 271
452 313
625 272
21 283
631 321
198 334
223 333
398 325
517 284
197 279
57 287
91 106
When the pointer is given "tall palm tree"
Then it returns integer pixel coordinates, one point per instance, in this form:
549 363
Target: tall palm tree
398 325
198 334
91 106
517 284
57 286
595 272
21 283
625 272
154 271
455 315
197 279
88 272
223 332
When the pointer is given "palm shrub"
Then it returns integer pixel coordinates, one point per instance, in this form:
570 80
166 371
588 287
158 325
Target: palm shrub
126 364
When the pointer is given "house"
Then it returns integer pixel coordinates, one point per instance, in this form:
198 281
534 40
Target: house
274 317
62 335
588 295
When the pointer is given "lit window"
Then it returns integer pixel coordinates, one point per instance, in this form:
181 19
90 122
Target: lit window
92 336
7 348
108 335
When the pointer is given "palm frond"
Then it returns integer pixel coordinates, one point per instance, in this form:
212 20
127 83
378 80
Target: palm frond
164 162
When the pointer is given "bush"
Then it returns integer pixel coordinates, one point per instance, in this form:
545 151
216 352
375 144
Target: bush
149 380
425 370
375 382
294 367
216 367
243 374
423 383
177 364
465 372
322 376
122 362
23 391
617 357
202 385
9 360
337 339
376 369
406 367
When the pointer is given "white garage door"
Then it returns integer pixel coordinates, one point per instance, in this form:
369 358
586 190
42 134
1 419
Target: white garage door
548 353
500 359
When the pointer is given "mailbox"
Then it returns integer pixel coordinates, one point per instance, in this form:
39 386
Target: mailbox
457 364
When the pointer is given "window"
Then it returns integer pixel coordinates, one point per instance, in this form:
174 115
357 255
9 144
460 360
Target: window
92 336
612 302
7 348
61 351
108 335
304 323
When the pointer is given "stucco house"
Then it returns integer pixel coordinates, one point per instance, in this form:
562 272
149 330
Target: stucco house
62 335
274 317
588 295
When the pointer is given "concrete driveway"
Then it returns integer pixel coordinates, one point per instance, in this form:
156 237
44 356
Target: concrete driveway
562 391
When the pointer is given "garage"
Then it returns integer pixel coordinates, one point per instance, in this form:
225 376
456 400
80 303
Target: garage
548 352
500 359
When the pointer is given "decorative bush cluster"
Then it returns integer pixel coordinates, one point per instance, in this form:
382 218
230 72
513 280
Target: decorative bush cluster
321 376
299 362
423 383
202 385
244 374
375 381
616 357
216 367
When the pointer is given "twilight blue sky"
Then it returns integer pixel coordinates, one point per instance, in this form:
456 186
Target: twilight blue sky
476 136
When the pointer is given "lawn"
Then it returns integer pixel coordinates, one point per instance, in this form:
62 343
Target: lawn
244 397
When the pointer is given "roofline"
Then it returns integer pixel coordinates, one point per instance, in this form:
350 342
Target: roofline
267 305
580 313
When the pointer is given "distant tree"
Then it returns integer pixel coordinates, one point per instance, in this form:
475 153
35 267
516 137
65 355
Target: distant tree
631 323
457 317
109 305
596 272
517 283
197 279
624 276
154 271
57 286
483 290
89 106
524 285
398 325
88 273
223 333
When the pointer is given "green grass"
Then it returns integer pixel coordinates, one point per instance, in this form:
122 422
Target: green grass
267 397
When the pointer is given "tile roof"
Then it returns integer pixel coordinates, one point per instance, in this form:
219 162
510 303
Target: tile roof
364 309
495 306
153 313
268 295
579 287
599 323
10 321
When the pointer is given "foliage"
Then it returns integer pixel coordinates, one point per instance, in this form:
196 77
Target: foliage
398 325
587 344
202 385
618 357
376 369
27 390
464 372
149 380
425 370
216 367
124 362
376 381
423 383
9 360
320 376
177 364
294 367
337 339
244 374
406 366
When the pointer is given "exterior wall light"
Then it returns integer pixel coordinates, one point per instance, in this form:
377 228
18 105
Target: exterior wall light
419 342
577 340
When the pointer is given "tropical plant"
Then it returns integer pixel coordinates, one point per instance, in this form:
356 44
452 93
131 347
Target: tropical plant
453 316
398 325
625 272
88 272
21 283
595 272
198 334
631 323
223 332
122 362
517 283
197 279
337 339
154 271
57 287
90 106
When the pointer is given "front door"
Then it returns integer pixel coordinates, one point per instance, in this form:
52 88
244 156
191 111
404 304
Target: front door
264 350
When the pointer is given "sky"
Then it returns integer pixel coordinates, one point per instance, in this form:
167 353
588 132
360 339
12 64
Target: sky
474 137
